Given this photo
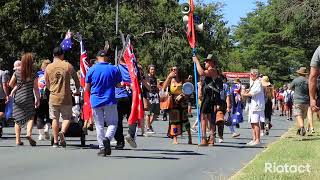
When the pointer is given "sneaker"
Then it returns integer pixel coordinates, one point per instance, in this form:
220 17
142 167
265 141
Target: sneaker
55 145
62 139
254 144
250 143
107 147
312 131
131 141
194 130
101 152
220 140
238 126
150 131
234 135
120 145
41 137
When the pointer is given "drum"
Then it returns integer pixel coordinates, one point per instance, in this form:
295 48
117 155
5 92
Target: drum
187 88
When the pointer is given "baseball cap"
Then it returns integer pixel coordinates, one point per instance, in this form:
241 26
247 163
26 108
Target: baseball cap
102 53
58 51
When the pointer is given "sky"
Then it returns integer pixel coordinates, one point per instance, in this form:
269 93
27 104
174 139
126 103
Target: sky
234 9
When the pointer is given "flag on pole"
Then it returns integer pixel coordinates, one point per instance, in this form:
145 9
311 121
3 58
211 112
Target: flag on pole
190 31
137 112
66 44
84 67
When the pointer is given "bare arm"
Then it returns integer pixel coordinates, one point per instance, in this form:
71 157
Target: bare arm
201 71
314 72
13 81
47 80
36 92
167 82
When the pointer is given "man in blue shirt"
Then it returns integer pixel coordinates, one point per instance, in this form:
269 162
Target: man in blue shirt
124 101
101 80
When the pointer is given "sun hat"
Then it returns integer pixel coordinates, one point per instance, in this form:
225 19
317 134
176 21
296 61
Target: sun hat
302 70
265 81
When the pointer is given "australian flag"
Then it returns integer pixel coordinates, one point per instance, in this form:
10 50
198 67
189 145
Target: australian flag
66 44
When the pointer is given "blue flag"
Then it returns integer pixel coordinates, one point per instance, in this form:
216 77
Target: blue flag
66 44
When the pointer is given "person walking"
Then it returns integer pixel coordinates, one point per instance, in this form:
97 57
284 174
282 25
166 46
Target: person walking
153 98
236 111
57 76
42 112
269 106
288 101
210 93
101 81
26 98
256 106
4 95
178 112
124 101
301 98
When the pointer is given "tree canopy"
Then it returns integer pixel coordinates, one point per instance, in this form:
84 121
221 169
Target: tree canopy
156 27
277 37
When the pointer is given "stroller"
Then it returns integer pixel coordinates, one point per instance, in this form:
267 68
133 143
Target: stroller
76 125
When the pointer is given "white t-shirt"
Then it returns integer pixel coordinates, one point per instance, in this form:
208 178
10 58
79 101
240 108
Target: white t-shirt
286 95
257 98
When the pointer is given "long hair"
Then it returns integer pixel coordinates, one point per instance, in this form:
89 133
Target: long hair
26 66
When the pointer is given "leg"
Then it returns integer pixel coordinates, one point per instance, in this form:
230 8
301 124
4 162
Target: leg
189 136
310 119
99 122
119 132
256 132
55 130
253 132
111 118
29 133
18 134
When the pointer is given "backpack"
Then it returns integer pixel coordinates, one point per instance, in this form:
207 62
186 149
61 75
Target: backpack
289 97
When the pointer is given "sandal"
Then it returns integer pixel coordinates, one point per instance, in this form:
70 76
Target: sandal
31 141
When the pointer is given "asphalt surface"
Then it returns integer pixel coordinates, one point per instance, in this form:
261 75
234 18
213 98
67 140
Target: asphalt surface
155 158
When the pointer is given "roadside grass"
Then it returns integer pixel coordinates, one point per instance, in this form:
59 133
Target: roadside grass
290 149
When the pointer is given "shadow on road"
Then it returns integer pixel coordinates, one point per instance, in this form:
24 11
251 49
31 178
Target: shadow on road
144 157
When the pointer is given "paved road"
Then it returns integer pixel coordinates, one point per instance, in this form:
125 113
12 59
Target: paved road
155 158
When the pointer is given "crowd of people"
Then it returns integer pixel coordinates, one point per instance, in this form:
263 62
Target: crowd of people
47 98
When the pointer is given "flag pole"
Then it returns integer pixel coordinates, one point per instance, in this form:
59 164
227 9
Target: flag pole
197 95
117 29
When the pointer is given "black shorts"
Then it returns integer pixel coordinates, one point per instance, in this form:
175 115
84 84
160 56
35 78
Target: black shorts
2 105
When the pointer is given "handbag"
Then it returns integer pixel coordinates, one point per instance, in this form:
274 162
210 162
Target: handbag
166 101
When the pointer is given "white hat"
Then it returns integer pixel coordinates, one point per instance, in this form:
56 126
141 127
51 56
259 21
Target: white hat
16 64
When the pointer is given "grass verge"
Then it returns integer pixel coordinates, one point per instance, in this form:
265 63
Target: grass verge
290 149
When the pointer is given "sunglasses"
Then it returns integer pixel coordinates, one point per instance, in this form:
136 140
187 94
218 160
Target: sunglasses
174 69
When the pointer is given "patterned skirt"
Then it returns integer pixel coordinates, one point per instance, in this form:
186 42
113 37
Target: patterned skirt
178 121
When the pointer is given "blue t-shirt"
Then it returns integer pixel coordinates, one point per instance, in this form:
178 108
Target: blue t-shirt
103 78
123 92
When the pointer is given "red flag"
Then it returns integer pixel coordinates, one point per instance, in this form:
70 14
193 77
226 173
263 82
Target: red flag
190 31
84 67
137 112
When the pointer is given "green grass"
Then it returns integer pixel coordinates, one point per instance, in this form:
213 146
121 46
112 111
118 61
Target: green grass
289 149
